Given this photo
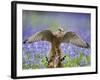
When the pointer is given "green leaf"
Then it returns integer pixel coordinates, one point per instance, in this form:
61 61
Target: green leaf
88 58
80 58
35 66
44 62
28 56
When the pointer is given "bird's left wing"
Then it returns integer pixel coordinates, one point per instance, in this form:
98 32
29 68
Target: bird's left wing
45 35
71 37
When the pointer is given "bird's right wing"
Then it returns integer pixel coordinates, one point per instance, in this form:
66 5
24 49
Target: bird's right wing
45 35
71 37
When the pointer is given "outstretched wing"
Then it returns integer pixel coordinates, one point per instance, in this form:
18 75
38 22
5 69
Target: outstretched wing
71 37
45 35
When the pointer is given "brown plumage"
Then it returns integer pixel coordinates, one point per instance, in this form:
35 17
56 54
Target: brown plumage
56 39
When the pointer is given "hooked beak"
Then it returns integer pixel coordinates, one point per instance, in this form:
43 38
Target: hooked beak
61 29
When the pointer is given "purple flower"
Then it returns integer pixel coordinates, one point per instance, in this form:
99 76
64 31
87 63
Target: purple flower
83 62
72 54
87 52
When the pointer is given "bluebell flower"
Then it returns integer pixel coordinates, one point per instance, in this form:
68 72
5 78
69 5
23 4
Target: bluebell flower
83 62
72 54
87 52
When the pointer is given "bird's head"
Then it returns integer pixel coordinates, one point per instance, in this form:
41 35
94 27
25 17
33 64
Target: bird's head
61 29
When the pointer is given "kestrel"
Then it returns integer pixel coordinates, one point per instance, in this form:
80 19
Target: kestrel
56 38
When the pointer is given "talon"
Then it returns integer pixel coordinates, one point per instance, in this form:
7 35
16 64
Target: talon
62 58
46 59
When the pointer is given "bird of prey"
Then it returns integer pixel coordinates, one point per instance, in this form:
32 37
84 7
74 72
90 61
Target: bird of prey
56 38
